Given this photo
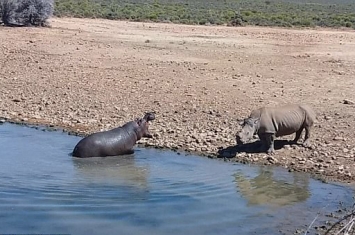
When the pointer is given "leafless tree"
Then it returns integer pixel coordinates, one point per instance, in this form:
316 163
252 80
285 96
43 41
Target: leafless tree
7 11
26 12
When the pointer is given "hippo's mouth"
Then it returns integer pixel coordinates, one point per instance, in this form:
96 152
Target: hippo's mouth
149 117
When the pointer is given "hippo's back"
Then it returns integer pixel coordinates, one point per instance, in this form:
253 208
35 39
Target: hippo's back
106 143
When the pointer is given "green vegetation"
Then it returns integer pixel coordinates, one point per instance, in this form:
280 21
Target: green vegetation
287 13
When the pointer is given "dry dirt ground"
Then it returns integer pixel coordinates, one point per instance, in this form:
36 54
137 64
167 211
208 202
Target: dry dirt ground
89 75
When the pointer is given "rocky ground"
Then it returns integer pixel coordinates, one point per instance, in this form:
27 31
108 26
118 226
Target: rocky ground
90 75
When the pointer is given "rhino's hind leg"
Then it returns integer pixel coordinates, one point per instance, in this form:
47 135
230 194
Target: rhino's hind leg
306 143
298 135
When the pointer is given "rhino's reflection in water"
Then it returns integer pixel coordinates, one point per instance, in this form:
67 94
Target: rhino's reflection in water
118 170
267 189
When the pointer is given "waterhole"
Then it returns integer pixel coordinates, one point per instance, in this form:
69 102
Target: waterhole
45 190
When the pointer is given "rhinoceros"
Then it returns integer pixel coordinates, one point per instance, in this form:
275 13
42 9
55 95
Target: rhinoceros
271 122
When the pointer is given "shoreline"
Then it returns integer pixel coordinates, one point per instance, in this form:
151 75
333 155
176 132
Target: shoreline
186 152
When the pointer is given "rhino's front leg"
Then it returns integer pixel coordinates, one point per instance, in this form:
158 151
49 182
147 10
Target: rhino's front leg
263 143
268 140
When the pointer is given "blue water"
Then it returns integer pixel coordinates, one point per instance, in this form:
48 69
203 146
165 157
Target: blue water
45 190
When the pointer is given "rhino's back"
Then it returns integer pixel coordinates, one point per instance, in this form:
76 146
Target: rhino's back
285 120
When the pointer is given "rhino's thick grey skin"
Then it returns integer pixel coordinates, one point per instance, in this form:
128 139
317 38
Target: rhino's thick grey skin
271 122
114 142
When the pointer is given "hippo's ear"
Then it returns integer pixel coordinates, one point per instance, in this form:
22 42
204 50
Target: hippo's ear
139 121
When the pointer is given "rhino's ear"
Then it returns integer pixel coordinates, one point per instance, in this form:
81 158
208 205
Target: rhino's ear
240 122
256 121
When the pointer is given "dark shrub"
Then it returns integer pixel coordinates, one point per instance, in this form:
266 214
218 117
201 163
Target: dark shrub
7 11
26 12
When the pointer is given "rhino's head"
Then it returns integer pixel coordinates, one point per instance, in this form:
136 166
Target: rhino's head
249 128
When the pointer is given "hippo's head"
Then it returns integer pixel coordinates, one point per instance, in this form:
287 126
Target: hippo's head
149 116
249 128
143 124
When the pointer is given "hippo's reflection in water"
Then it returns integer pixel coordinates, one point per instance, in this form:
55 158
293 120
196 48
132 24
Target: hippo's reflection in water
267 189
118 170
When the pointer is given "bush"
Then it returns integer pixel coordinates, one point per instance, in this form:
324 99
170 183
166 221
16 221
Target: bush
348 24
26 12
288 13
7 11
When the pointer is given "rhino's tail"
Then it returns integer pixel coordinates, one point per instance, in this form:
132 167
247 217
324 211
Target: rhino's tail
311 115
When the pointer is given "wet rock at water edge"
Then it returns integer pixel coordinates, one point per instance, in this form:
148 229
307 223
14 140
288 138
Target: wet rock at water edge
287 147
272 159
226 154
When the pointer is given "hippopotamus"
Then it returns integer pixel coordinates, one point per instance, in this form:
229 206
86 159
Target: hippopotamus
118 141
271 122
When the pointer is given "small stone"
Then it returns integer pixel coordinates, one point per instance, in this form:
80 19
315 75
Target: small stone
346 101
2 120
287 147
271 159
